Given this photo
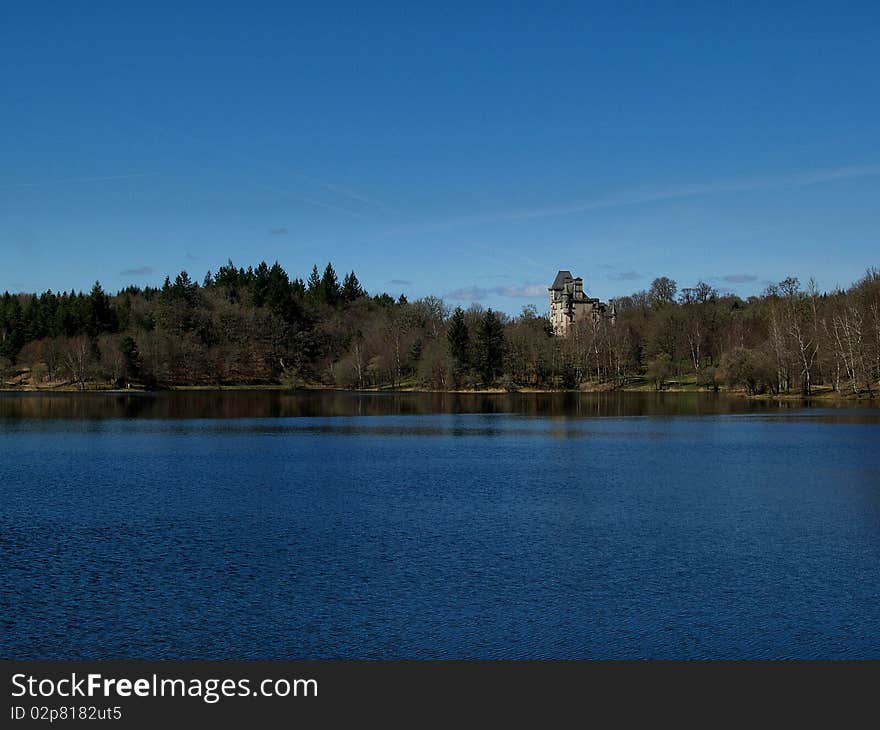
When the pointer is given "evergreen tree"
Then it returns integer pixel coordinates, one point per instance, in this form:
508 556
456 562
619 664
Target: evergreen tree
351 288
298 288
261 284
314 284
384 299
129 350
490 347
278 290
459 340
101 317
330 285
185 288
229 277
11 330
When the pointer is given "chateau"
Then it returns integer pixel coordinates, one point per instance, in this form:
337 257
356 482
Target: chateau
569 304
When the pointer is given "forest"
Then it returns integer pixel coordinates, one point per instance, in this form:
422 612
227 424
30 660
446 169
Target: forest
258 326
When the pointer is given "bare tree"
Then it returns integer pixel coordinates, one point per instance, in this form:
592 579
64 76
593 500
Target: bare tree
693 330
801 321
79 359
112 358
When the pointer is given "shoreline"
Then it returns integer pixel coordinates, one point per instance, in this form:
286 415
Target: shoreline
825 393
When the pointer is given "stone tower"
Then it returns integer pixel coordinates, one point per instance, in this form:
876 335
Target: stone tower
569 304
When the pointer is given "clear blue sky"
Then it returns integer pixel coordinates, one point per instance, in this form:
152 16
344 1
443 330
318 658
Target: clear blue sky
467 150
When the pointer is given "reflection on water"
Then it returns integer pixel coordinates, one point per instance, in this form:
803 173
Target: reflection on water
281 404
220 525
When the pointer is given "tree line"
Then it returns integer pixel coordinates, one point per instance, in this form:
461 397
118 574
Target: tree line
259 326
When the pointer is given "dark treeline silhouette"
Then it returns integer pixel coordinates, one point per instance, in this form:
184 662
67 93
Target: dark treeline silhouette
259 326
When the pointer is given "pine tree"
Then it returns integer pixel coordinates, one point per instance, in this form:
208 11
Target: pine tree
330 285
102 318
186 289
229 278
261 284
129 350
490 347
459 340
279 295
351 288
11 331
314 284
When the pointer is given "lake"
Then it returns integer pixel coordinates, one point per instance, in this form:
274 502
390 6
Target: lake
260 524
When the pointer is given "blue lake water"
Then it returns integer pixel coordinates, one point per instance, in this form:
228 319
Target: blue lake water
254 526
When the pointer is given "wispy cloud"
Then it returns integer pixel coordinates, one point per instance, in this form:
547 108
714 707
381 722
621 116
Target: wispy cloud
528 291
307 200
137 271
352 195
478 293
738 278
690 190
275 168
626 276
75 180
468 294
643 195
399 282
278 231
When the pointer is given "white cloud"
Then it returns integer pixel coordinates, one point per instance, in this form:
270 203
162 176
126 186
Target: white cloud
478 293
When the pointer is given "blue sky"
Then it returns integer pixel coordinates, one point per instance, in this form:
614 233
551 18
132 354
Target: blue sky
466 150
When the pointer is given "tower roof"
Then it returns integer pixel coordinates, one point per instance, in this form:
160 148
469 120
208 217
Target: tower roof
561 279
